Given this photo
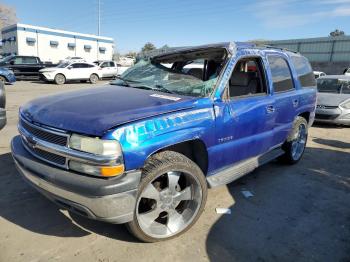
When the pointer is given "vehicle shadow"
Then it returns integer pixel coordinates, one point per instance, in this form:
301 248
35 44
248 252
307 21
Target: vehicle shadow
24 206
297 213
328 125
333 143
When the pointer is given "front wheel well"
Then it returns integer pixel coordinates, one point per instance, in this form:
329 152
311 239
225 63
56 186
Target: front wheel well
193 149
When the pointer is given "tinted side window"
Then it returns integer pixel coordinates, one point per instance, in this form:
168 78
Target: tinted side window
305 73
281 75
88 65
29 60
78 65
18 60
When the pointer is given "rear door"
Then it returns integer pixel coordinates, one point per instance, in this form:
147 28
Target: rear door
30 66
285 95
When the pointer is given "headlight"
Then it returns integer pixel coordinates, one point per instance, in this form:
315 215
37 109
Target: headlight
346 104
97 146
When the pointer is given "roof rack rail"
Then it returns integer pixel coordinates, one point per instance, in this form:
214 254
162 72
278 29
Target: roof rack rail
276 47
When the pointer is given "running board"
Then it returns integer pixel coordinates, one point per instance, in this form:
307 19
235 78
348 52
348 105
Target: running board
242 168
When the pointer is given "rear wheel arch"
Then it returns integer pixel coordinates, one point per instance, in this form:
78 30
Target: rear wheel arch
305 115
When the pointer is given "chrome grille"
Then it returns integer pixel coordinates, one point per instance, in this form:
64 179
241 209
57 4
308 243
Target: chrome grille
44 135
53 158
48 135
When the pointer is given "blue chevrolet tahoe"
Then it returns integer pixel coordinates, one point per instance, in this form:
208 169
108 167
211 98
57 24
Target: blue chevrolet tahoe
144 149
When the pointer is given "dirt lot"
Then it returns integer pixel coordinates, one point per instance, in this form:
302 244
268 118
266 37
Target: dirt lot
297 213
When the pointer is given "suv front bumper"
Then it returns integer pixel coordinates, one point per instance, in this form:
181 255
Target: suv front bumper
111 200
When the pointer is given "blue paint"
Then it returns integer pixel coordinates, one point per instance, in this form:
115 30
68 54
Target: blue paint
9 75
145 123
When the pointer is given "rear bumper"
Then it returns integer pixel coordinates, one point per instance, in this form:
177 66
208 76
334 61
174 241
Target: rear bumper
2 118
110 200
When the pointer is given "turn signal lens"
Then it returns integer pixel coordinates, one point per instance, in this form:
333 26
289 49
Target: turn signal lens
108 171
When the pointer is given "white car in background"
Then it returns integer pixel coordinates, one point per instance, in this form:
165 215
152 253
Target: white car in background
71 71
318 74
71 59
110 68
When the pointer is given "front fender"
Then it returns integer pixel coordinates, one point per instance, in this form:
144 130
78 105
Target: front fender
141 139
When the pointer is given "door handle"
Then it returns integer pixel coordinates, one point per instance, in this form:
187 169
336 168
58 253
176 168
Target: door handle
270 109
295 102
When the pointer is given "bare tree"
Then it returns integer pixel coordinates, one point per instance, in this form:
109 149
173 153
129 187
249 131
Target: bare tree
7 15
337 32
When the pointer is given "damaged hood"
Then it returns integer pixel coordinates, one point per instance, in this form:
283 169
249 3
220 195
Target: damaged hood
94 111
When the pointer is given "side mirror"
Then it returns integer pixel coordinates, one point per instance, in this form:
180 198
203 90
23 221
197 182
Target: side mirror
12 62
69 67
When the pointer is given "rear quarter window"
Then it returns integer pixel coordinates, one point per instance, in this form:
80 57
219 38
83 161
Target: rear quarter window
304 71
281 74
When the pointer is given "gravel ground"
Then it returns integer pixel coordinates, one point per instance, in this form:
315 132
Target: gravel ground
297 213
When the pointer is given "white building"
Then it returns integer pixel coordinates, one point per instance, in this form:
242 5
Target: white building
54 45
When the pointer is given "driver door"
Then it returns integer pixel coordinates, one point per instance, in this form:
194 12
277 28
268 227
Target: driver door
246 120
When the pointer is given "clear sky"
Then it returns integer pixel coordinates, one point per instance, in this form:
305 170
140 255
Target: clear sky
132 23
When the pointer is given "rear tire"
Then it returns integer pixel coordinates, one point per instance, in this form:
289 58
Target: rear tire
171 197
295 144
60 79
93 78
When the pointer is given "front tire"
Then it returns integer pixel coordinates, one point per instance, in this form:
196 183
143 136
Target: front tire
93 78
171 197
2 80
60 79
295 145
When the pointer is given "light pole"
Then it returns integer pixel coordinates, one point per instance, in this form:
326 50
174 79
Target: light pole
99 17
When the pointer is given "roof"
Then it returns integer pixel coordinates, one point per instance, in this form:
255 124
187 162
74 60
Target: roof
18 26
229 46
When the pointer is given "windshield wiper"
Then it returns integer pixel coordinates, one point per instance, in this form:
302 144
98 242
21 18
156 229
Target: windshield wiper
126 81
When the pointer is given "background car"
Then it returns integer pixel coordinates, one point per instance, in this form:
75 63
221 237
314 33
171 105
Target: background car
72 71
108 68
72 59
24 67
7 76
333 99
2 105
319 74
111 68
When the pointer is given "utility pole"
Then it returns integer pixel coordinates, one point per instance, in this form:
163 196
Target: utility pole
99 17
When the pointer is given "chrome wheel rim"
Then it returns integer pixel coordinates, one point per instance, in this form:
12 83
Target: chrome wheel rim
168 204
299 142
93 79
60 79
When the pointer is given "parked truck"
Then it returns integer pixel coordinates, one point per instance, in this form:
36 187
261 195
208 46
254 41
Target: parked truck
24 67
145 149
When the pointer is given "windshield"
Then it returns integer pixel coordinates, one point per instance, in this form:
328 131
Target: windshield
5 59
183 78
333 85
63 65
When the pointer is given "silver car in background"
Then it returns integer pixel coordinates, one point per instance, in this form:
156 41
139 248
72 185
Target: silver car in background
333 99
